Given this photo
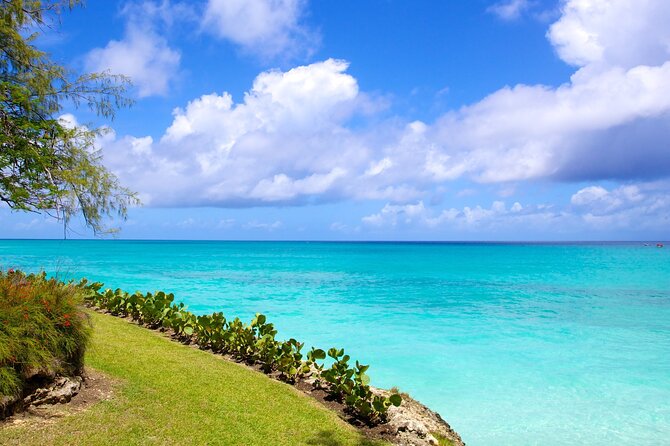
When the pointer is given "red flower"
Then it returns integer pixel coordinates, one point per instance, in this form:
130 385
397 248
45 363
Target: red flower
67 323
66 316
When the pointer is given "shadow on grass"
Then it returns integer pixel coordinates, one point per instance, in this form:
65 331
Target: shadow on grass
328 438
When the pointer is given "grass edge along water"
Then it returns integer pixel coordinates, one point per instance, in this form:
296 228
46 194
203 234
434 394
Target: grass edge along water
193 398
254 343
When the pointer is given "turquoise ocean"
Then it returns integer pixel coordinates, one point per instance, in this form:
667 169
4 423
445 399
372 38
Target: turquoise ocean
514 344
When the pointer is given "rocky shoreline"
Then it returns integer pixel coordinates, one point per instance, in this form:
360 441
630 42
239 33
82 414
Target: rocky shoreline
414 424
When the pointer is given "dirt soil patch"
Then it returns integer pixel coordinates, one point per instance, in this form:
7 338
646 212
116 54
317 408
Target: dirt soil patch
96 387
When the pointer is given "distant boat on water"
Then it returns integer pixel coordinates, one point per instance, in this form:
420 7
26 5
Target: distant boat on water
659 245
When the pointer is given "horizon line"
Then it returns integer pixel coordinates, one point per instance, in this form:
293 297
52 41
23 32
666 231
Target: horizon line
111 239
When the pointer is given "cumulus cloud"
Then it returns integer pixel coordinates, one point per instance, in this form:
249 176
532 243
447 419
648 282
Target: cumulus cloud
285 142
622 33
509 9
289 141
265 27
536 131
142 54
575 131
635 205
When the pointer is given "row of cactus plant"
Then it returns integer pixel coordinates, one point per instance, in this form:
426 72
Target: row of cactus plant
254 343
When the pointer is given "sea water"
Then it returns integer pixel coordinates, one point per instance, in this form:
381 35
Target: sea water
514 344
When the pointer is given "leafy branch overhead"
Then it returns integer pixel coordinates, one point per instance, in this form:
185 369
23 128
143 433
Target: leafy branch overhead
47 165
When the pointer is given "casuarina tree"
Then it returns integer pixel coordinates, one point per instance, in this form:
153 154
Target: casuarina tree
47 164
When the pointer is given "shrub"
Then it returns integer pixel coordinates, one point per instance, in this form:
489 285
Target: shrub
42 329
254 343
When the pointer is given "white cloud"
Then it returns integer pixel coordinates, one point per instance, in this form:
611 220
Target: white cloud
509 9
596 200
289 142
68 120
264 226
281 187
587 128
589 195
312 97
143 55
632 207
623 33
469 218
639 207
265 27
378 167
286 141
391 214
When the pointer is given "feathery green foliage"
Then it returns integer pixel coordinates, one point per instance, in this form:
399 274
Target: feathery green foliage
46 164
42 329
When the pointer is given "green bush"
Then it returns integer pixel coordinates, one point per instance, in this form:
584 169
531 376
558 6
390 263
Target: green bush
43 330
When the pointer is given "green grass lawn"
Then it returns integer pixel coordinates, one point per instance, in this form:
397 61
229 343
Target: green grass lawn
170 394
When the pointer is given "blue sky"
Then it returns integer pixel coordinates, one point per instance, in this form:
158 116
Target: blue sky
381 120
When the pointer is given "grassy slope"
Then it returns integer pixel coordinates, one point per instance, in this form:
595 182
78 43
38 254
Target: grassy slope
170 394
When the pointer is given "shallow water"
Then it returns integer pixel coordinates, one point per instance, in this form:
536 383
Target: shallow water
514 344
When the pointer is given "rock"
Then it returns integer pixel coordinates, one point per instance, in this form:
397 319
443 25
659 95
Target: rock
32 374
60 392
415 424
409 425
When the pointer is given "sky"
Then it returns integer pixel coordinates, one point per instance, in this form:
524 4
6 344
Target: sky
444 120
